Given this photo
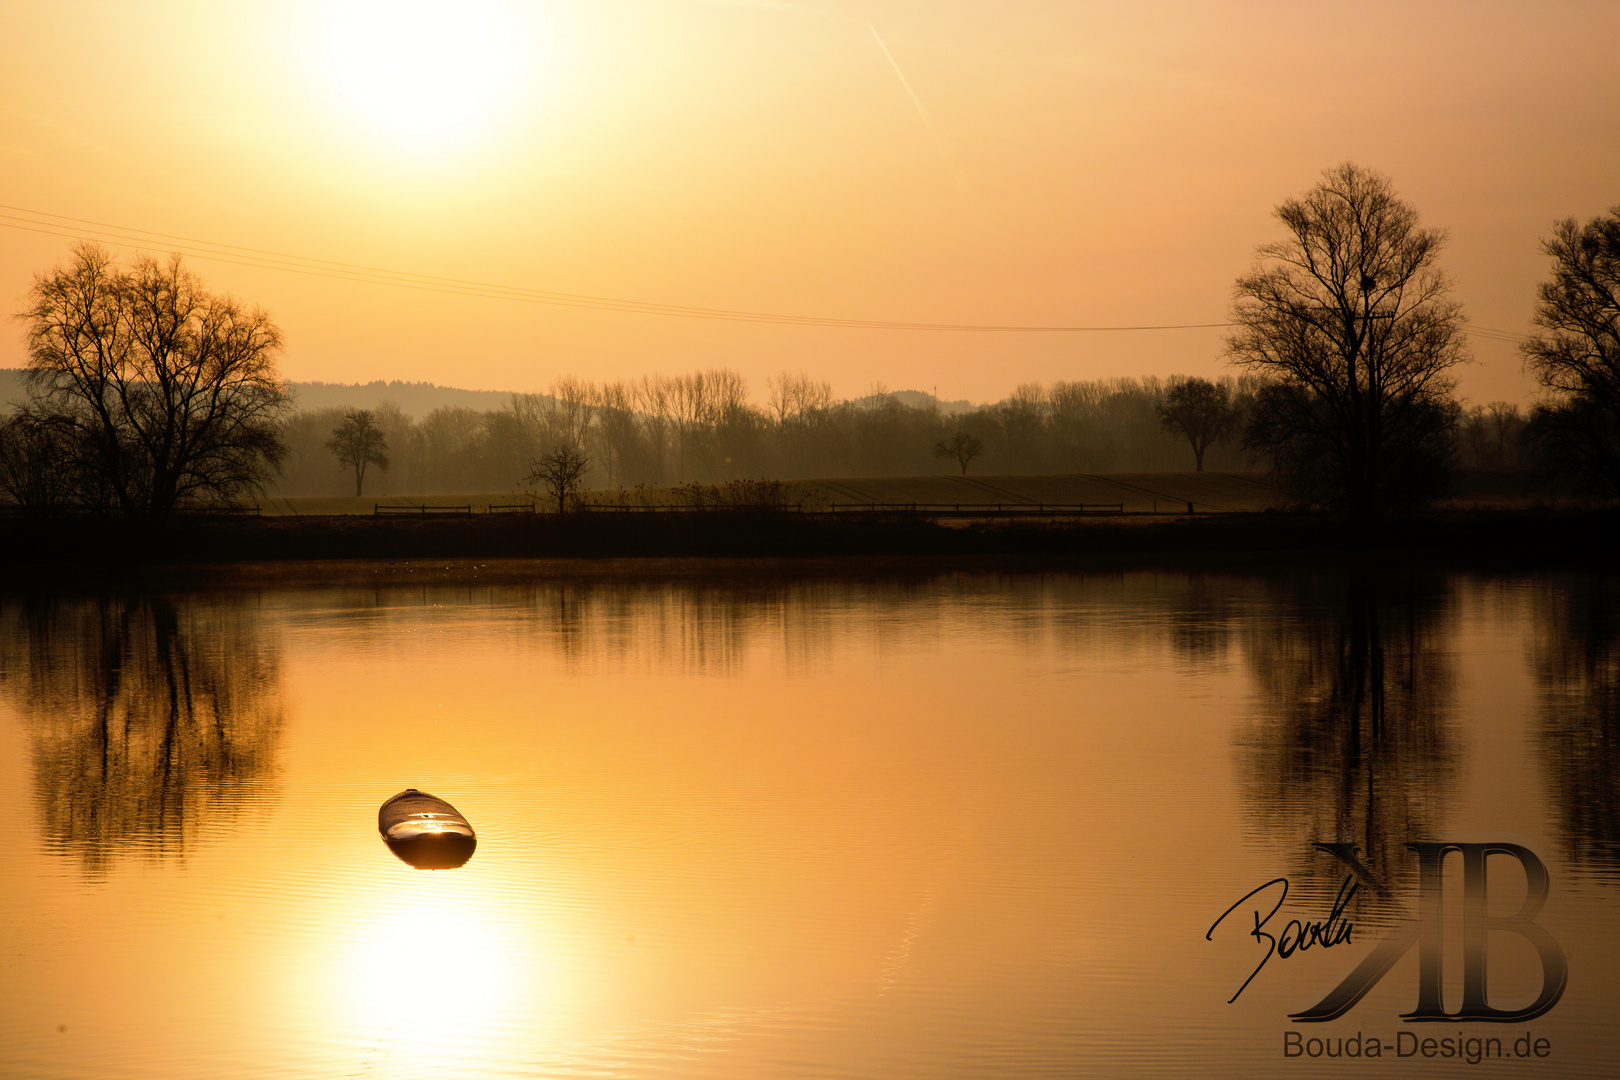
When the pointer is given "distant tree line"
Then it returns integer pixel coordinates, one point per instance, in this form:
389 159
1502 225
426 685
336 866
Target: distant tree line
670 430
148 394
704 427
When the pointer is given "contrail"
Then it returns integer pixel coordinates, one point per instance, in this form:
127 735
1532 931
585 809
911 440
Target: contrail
922 112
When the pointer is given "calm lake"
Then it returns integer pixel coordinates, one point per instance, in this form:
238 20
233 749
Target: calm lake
744 825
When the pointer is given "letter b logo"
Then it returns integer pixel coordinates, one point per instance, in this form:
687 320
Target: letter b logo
1428 932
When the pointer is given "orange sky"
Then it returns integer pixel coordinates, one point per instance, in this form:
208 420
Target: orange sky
1061 163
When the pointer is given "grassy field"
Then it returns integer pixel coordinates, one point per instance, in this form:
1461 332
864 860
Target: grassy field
1134 493
1034 526
322 506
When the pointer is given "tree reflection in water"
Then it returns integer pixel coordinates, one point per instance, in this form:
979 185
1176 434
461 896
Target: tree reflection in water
1576 658
151 720
1353 739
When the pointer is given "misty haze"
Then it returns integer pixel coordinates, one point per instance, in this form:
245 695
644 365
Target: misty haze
792 539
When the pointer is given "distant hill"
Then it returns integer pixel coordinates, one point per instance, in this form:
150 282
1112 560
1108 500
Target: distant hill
918 399
12 393
415 399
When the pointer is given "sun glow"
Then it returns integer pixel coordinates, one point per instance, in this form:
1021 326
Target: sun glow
427 76
426 974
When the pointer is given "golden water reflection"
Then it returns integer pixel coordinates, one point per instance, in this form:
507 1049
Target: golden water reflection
1353 738
962 825
152 722
422 968
1577 665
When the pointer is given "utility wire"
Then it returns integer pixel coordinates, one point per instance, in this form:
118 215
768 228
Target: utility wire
1495 335
36 221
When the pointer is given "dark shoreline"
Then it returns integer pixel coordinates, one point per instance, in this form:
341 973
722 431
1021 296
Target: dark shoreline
68 548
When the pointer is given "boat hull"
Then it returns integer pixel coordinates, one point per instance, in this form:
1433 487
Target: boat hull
425 831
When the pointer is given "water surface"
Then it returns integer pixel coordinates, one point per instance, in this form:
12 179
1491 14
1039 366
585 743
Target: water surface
952 825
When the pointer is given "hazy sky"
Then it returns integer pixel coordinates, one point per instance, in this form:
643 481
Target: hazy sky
1033 162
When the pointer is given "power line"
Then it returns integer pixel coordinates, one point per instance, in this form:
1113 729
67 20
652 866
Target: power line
1495 335
37 221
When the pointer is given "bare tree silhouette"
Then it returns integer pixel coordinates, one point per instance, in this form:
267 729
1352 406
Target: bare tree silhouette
1201 411
1577 359
168 394
560 472
37 468
1350 317
358 442
961 447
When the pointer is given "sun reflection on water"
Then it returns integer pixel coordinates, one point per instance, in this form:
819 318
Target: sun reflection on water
430 971
964 829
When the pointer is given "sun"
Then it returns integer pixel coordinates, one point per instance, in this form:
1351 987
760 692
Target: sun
425 75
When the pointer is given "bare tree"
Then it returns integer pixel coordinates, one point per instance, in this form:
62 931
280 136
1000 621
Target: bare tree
792 396
168 393
1507 430
453 440
37 468
559 472
1072 410
307 468
617 439
962 447
358 442
1350 317
508 445
569 410
1022 417
799 408
734 424
655 399
404 447
1577 359
1199 410
879 430
781 396
1492 434
692 410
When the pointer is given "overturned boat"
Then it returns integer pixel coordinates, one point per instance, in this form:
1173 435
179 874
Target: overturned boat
426 831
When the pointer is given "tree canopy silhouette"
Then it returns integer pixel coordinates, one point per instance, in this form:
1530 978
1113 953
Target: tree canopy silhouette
1577 359
358 442
164 393
560 472
1200 410
33 455
961 447
1350 320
